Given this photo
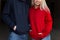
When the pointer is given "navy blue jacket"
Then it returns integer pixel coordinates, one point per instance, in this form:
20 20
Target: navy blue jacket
15 12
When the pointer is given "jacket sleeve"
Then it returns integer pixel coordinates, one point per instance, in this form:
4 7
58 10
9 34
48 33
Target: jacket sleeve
6 17
48 24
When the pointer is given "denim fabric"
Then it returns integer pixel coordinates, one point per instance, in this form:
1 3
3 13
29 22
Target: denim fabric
14 36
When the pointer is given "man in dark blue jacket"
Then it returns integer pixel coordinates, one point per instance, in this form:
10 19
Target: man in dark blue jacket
15 15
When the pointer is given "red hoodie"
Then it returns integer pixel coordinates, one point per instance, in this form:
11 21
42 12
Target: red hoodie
41 22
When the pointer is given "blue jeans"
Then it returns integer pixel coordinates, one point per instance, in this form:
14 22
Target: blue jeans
14 36
46 38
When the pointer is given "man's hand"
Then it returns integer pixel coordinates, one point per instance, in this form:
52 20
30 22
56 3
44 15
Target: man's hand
14 28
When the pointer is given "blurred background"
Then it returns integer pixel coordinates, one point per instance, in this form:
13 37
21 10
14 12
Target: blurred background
54 6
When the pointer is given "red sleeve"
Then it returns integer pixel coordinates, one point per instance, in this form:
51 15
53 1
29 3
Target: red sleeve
48 24
33 32
32 20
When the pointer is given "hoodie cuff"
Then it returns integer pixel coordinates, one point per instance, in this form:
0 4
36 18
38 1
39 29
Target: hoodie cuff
12 25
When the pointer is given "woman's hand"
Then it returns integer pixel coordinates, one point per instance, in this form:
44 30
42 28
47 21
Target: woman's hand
40 33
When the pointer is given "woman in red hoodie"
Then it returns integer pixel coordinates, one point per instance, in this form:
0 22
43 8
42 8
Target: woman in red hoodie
40 20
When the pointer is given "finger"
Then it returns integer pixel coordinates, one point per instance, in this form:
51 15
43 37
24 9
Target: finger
15 27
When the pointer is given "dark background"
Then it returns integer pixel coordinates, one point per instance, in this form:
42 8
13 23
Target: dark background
54 6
